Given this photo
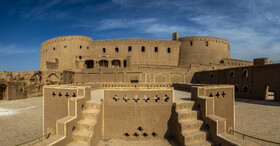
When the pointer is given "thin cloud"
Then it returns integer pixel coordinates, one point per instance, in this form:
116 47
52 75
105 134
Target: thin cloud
14 49
124 23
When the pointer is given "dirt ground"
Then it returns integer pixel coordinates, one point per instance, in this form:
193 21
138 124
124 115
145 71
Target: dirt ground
22 120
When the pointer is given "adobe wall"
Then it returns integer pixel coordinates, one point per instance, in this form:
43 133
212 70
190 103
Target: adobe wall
72 52
249 82
203 50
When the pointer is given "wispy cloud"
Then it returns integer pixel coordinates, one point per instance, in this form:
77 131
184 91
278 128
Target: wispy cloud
14 49
124 23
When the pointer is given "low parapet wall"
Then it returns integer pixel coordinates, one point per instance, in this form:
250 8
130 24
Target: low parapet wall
62 107
137 113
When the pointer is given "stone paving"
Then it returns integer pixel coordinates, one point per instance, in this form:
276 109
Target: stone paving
22 120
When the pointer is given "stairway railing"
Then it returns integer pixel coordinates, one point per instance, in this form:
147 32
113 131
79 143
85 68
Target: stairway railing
47 136
245 135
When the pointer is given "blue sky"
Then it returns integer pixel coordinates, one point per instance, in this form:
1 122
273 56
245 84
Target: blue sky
251 26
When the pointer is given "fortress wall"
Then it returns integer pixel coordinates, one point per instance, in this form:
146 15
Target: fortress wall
64 49
71 52
194 50
236 62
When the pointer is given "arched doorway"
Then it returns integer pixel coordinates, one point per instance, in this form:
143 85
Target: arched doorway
89 63
2 91
269 93
116 63
103 63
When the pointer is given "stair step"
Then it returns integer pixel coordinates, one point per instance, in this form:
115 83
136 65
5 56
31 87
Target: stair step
77 143
82 135
202 143
184 115
93 105
191 125
86 124
90 113
195 136
189 105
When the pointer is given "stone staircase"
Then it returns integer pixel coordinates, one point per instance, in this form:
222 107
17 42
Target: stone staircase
84 131
193 131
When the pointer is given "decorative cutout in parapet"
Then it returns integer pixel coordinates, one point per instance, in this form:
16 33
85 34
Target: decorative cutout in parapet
154 134
165 98
140 129
136 99
125 98
53 94
198 106
224 94
73 128
116 98
74 95
156 98
146 98
145 134
210 95
135 134
82 106
59 94
207 127
66 95
126 134
217 95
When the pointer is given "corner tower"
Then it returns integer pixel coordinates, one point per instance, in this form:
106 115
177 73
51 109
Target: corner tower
203 50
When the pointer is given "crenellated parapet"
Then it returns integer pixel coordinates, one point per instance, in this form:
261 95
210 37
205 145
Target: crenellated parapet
138 41
66 38
203 38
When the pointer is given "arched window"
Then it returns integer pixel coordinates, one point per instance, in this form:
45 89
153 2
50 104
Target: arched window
80 57
117 49
245 73
232 73
206 43
89 63
143 49
191 43
104 50
80 47
116 63
156 49
87 47
236 88
53 48
129 49
211 75
65 46
168 50
245 88
103 63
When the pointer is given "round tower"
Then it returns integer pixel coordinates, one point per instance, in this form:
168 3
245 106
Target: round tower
203 50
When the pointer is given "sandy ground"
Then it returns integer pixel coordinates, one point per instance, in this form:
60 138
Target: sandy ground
259 119
22 120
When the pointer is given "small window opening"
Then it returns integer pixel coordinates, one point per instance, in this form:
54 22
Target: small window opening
245 89
232 74
168 50
245 73
156 49
236 88
80 47
191 43
124 63
53 48
206 43
89 63
143 49
211 75
117 49
104 50
65 46
87 47
129 49
80 57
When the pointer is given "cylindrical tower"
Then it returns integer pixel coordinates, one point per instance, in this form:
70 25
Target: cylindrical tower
203 50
